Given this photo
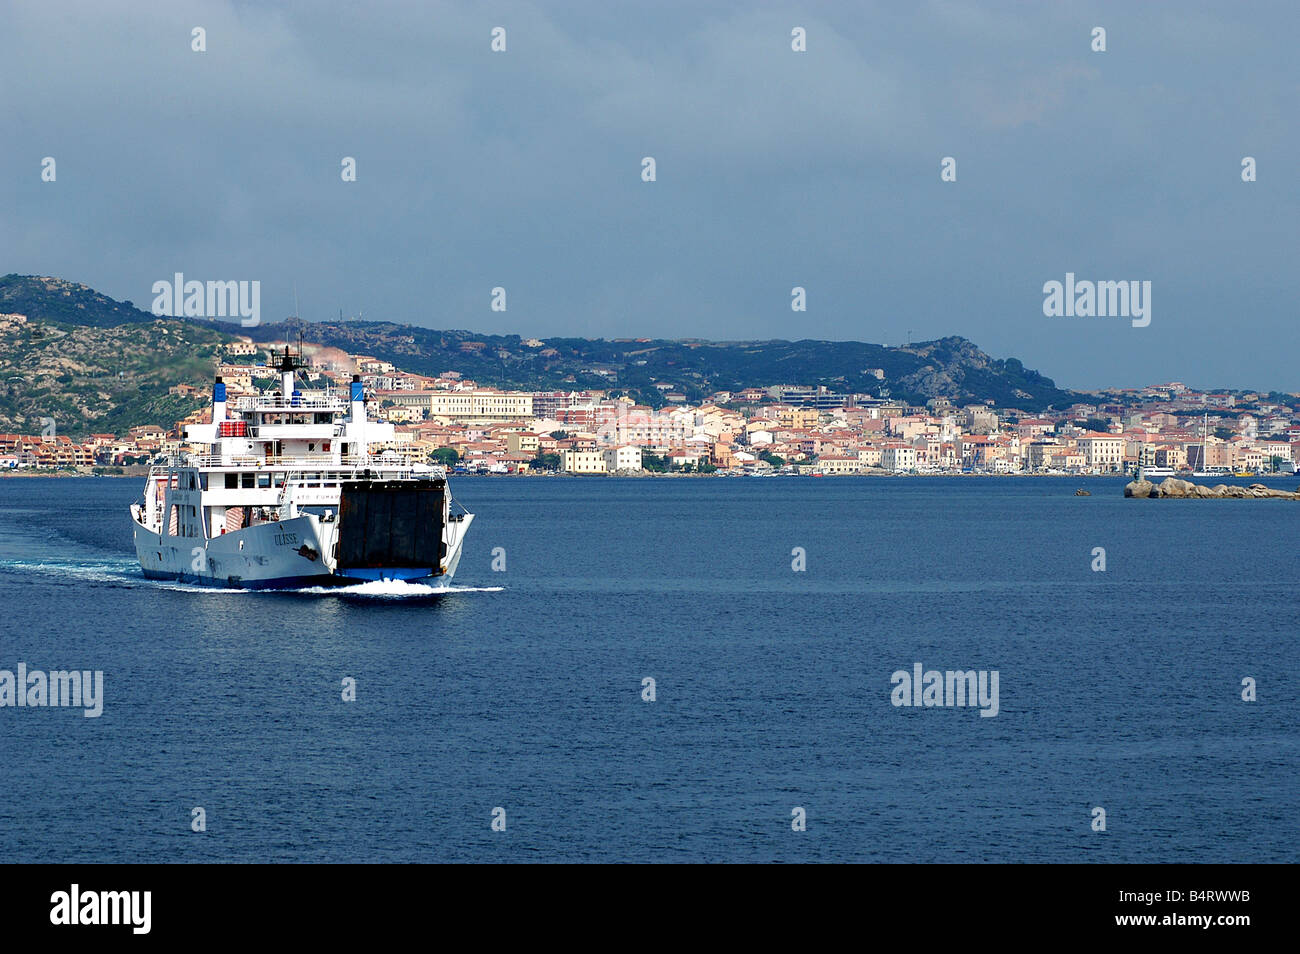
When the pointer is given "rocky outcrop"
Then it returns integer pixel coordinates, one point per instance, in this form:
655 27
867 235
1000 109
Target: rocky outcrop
1173 488
1140 488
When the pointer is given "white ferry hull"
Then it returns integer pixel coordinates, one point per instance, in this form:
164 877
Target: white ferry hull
271 557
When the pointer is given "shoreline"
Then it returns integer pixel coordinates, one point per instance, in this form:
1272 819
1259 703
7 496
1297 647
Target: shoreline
140 471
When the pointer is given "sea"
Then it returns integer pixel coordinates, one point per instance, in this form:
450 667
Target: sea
676 670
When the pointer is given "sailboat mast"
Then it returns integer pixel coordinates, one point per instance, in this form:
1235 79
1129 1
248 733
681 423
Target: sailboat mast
1205 434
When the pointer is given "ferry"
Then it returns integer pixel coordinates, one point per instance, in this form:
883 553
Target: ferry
289 496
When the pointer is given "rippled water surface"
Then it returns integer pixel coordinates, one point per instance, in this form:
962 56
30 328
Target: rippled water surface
523 689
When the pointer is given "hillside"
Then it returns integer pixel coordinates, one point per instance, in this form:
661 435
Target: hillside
950 367
99 365
54 299
100 380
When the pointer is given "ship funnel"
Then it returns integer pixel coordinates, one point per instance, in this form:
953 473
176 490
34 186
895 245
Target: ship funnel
357 417
218 401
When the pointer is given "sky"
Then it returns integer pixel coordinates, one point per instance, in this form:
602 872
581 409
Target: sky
774 168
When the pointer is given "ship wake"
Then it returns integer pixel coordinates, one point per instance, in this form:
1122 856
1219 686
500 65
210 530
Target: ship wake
122 572
394 590
126 573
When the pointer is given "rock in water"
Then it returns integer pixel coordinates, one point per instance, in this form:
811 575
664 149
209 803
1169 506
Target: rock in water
1139 488
1175 488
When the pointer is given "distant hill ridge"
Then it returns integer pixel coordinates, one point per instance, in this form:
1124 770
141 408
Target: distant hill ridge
951 367
54 299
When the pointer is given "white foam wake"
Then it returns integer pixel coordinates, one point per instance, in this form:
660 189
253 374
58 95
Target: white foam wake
91 571
127 573
374 589
394 589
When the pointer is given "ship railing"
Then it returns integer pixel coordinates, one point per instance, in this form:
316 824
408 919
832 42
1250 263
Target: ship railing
308 462
311 479
277 402
256 462
255 430
171 462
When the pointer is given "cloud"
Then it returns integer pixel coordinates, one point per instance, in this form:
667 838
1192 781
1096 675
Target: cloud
775 168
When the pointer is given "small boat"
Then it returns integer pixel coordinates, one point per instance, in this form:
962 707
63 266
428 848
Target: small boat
1082 493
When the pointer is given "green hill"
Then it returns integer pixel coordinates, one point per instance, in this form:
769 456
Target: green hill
949 367
54 299
94 364
101 380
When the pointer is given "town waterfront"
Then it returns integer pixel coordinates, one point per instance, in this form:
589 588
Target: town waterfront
523 688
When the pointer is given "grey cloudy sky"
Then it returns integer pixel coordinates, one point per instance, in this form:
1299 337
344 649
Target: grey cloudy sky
821 169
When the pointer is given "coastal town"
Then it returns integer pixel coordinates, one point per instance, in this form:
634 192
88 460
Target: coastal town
780 429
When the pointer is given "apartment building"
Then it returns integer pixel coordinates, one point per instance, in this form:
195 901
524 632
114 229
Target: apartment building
584 462
835 464
623 458
1102 452
898 457
465 407
523 442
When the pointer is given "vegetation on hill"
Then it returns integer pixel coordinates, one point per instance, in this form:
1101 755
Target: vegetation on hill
647 368
54 299
94 364
91 379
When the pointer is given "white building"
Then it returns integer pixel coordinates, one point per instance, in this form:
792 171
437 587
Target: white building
898 457
1102 452
583 462
626 457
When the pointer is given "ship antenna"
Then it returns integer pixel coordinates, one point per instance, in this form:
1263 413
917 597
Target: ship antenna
295 317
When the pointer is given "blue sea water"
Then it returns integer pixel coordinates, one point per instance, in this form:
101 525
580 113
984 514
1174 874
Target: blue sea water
522 689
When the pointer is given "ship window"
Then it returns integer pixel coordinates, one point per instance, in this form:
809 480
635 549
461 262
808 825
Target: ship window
248 481
203 481
232 481
263 480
